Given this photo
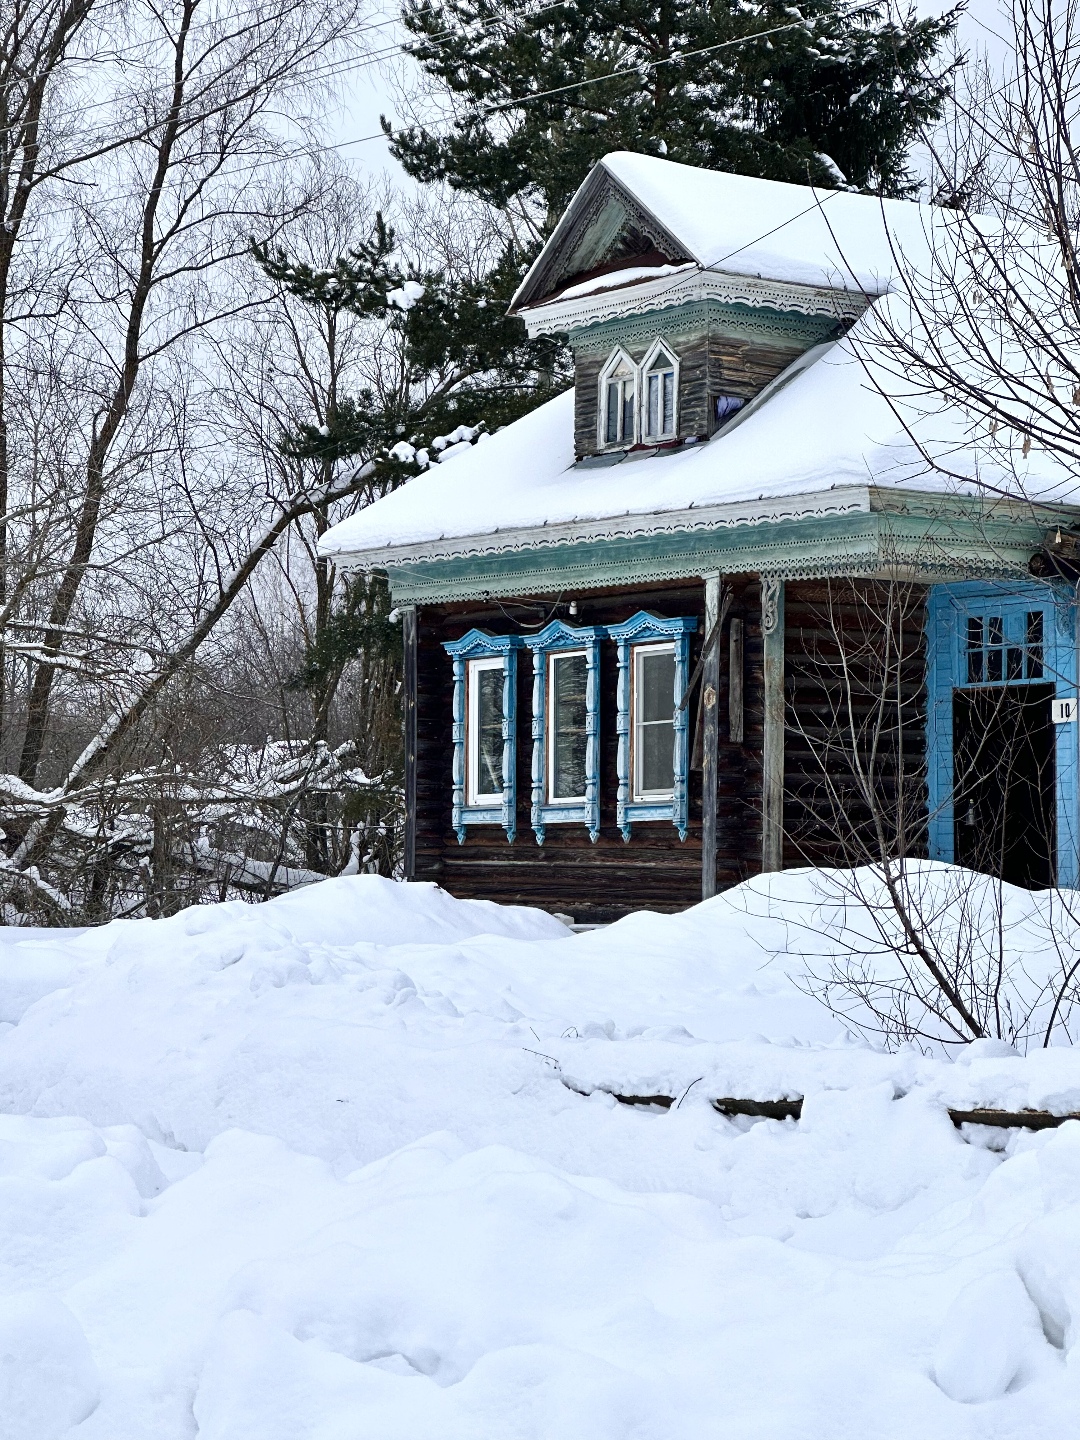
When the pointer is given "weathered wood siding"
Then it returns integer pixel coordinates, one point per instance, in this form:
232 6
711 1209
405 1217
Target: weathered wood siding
690 348
711 363
743 367
824 823
855 689
655 870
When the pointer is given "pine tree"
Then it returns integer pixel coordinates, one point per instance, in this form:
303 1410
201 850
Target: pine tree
460 366
826 92
462 359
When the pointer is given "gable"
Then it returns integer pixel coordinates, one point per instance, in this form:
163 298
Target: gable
603 230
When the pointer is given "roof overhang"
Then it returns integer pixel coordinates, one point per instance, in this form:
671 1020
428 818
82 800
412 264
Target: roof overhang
576 312
845 531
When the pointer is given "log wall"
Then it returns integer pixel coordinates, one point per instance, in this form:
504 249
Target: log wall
855 691
710 364
655 870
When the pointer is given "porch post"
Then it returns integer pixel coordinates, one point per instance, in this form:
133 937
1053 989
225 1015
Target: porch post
772 758
710 689
409 643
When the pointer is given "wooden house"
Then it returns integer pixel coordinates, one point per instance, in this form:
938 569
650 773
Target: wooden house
628 614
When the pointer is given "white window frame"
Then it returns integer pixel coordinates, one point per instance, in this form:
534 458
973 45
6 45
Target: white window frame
616 360
553 657
658 345
474 795
637 652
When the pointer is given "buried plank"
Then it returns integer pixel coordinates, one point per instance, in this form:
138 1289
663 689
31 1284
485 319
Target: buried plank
760 1109
792 1110
1011 1119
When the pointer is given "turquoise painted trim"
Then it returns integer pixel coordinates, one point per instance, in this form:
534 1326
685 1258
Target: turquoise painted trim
948 609
477 644
640 629
550 640
734 318
857 543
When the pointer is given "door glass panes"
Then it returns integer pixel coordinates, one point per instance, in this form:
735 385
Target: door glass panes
487 744
660 398
1034 645
654 721
1004 649
619 408
569 680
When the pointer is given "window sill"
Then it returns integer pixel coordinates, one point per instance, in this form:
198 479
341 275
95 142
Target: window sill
636 812
561 813
494 814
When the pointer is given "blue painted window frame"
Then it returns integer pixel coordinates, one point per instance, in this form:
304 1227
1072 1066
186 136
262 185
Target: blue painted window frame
645 629
947 612
479 645
552 640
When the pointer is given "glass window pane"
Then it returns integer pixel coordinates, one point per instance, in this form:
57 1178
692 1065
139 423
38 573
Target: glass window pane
489 705
656 679
611 424
1016 662
974 632
995 669
669 403
657 756
996 626
628 412
568 716
1034 645
975 667
653 423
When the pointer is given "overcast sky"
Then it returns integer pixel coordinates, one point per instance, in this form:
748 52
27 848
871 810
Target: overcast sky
370 91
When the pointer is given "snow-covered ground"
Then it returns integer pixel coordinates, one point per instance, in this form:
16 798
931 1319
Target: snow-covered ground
320 1170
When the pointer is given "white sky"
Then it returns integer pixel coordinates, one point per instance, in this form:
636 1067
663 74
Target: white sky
370 91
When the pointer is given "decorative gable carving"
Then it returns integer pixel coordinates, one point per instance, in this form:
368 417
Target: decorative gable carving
604 224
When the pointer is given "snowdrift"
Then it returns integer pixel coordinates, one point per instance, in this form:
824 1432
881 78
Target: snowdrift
347 1164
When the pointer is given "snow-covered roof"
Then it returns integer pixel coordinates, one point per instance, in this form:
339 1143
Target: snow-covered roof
791 234
837 418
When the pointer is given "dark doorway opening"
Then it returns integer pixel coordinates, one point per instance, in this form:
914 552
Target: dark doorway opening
1004 782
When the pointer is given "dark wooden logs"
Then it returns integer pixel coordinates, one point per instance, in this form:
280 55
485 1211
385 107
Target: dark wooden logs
791 1109
760 1109
736 721
409 643
1011 1119
710 732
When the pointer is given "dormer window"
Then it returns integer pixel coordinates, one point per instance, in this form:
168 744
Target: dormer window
660 371
618 401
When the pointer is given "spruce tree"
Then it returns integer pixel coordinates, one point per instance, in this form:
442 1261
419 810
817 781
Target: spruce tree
824 92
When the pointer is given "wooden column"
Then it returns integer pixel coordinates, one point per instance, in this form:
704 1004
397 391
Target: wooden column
772 760
409 641
736 722
710 688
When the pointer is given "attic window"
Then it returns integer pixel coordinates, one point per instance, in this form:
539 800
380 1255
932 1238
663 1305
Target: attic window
618 399
660 396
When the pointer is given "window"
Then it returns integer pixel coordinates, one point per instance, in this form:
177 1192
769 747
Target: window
653 759
566 727
484 731
484 736
620 403
653 710
660 397
1004 649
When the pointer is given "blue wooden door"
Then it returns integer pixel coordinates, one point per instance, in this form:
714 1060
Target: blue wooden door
986 634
